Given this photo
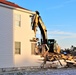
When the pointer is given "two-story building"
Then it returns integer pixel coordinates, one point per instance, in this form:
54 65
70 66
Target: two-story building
15 36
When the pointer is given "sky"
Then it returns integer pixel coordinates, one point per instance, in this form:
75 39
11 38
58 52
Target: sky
59 17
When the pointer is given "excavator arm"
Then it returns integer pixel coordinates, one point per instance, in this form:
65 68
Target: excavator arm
37 22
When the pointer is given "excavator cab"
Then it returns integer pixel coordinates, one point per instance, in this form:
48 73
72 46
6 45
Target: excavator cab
51 44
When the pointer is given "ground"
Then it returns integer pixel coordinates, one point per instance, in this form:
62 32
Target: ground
41 71
69 71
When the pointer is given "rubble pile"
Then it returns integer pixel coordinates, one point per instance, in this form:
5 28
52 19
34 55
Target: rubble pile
54 60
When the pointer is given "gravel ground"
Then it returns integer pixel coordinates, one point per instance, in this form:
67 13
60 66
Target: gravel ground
69 71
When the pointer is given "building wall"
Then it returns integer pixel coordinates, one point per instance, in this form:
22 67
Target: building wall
10 33
6 37
24 34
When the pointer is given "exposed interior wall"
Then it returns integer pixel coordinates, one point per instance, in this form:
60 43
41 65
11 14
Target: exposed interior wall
24 34
6 37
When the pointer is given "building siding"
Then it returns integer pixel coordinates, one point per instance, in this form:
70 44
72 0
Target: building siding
6 37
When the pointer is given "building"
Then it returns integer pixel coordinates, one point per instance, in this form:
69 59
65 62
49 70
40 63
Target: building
16 47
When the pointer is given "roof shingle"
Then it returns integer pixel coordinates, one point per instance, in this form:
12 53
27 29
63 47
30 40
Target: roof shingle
11 4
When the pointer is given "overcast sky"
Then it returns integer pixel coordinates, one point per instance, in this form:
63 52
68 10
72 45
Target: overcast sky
59 16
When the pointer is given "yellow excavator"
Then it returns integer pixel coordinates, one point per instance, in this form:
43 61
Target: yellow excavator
54 49
37 22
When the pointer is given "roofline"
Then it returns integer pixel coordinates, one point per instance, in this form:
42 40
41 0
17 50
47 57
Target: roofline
18 9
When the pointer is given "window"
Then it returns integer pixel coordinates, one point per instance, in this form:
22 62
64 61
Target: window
34 49
18 20
17 47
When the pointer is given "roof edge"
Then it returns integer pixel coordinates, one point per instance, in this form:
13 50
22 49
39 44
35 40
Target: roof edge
19 9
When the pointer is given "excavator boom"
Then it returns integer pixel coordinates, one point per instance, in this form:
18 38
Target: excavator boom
37 22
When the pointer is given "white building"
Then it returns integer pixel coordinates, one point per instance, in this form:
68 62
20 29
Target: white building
15 36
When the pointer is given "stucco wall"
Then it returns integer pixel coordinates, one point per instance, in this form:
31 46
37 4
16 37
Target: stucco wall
6 37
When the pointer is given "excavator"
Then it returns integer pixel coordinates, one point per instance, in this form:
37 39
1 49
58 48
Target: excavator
37 22
54 49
